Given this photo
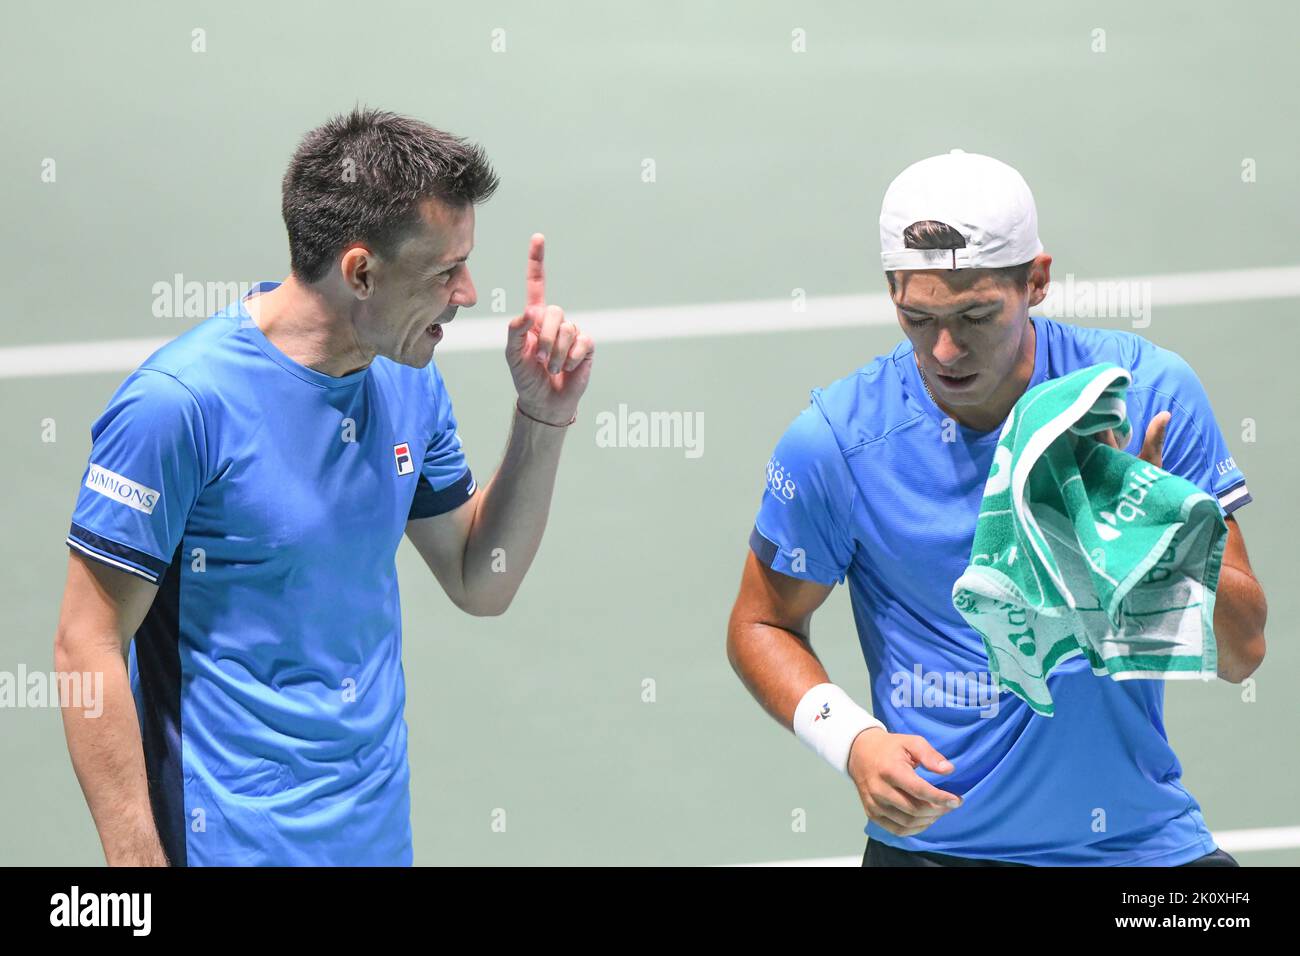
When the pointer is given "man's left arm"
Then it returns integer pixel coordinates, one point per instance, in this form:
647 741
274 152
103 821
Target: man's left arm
481 550
1240 611
1194 448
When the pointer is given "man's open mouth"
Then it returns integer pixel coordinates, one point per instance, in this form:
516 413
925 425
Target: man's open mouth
956 381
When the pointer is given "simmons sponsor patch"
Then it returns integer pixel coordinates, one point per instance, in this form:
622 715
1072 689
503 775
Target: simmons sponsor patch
122 490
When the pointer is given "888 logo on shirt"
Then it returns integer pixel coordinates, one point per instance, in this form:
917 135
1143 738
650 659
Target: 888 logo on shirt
780 484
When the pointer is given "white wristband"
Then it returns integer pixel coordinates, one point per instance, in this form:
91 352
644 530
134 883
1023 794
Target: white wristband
828 721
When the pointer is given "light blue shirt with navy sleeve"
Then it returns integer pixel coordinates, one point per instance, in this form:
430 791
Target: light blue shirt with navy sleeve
267 501
874 485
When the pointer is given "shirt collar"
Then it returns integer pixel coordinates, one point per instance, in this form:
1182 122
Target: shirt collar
310 375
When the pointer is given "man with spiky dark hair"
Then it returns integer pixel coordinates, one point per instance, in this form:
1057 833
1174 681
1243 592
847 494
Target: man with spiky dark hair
246 494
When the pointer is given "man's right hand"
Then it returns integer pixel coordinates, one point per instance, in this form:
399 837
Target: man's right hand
550 358
883 766
768 645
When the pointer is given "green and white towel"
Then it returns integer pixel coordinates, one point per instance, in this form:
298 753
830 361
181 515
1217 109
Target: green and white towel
1084 549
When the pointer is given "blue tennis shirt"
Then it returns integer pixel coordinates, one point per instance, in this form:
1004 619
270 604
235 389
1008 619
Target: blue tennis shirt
873 483
267 502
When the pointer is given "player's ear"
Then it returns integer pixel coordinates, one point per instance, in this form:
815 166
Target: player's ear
1040 276
356 268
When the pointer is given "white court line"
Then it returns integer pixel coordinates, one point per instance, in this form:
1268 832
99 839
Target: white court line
1233 841
682 321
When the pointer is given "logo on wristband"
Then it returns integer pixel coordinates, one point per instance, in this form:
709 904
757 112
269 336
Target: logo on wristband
824 712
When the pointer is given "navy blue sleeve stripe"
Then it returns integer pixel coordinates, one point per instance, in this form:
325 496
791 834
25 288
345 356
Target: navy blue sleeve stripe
104 559
429 502
1227 491
1234 505
1233 498
764 549
113 553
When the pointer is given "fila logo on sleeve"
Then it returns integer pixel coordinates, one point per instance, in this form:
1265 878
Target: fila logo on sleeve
402 455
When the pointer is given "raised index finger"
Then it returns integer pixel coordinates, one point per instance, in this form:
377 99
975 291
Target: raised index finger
536 271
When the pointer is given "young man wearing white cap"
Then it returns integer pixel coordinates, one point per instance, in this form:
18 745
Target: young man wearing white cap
879 482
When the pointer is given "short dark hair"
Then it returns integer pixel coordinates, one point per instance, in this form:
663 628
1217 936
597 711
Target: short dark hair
931 234
361 176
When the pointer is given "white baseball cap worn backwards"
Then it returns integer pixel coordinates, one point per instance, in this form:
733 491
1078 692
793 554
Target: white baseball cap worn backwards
984 199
